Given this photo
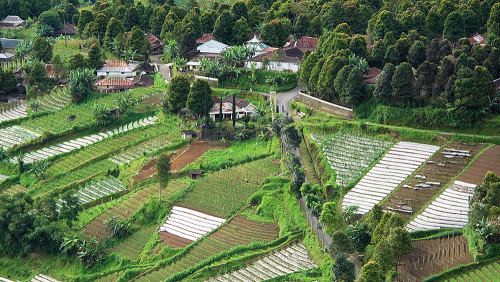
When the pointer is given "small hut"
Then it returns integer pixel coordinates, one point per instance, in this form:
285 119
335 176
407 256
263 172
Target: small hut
196 173
189 134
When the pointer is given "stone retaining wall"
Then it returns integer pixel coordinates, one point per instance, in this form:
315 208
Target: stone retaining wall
324 106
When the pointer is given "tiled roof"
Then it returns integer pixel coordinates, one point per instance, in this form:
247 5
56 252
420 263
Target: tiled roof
304 43
227 104
371 76
69 29
118 66
205 38
152 38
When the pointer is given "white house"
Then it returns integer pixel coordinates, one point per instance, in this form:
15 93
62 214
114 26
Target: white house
243 108
118 67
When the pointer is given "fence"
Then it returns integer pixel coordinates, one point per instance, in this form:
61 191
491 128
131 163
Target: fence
315 225
324 106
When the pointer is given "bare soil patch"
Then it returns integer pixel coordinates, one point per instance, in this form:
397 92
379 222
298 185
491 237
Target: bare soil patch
488 161
174 241
433 256
438 171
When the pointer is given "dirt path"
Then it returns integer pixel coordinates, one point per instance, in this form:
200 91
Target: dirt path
181 158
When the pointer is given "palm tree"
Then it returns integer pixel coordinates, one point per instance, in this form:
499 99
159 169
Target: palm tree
34 106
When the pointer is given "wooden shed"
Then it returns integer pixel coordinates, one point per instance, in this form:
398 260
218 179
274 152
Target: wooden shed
189 134
196 173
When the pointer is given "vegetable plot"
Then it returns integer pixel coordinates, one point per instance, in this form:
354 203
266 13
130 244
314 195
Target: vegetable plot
16 112
15 135
78 143
489 272
55 100
190 224
450 209
97 190
293 258
349 154
142 149
399 163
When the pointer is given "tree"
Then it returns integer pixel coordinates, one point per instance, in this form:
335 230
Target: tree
90 252
416 55
177 93
301 25
114 28
241 31
131 18
69 208
344 268
138 43
376 54
358 46
163 166
359 235
400 241
42 50
371 272
307 66
8 82
95 60
454 26
493 24
383 88
157 20
77 61
313 79
326 81
433 22
392 55
403 84
35 73
100 24
274 34
207 20
200 100
85 18
330 215
355 89
426 74
239 10
50 18
186 36
58 70
224 27
340 243
384 255
81 83
432 52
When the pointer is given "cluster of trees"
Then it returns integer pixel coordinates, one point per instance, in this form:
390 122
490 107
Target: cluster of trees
485 211
30 225
197 98
31 9
8 82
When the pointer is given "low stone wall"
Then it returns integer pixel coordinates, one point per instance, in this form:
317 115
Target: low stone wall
324 106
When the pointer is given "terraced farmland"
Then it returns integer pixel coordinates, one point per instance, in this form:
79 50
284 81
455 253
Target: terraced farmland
99 189
436 173
132 246
15 189
18 111
285 261
141 149
167 134
16 135
433 256
131 204
82 142
399 163
189 224
239 231
450 209
43 278
487 161
223 192
55 100
350 154
489 272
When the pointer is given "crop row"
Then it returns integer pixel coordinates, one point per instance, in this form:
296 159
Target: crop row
349 154
291 259
489 272
55 100
96 190
15 135
143 148
132 246
225 191
18 111
83 142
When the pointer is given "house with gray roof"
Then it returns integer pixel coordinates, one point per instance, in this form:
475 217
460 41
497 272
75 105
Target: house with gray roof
12 22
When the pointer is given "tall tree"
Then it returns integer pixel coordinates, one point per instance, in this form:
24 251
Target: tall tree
416 55
426 74
355 89
224 27
239 10
77 61
383 88
454 26
432 52
273 34
114 28
42 50
344 269
312 84
493 24
371 272
157 20
241 31
163 167
307 66
85 18
199 100
177 93
186 36
327 77
403 84
131 18
95 60
358 46
50 18
207 20
138 42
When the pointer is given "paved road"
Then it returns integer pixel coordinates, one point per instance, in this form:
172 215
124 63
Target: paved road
283 99
162 67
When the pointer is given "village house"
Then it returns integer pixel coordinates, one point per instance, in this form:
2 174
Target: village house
210 50
243 108
205 38
118 67
116 82
11 22
9 44
67 29
6 57
156 44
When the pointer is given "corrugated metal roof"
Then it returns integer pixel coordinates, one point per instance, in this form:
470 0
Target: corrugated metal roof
211 46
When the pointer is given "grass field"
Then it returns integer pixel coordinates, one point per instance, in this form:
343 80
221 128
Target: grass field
225 191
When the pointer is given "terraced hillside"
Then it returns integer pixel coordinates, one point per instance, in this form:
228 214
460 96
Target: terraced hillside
55 100
487 161
132 246
130 205
96 190
436 173
285 261
450 209
489 272
350 154
433 256
399 163
240 231
14 112
223 192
